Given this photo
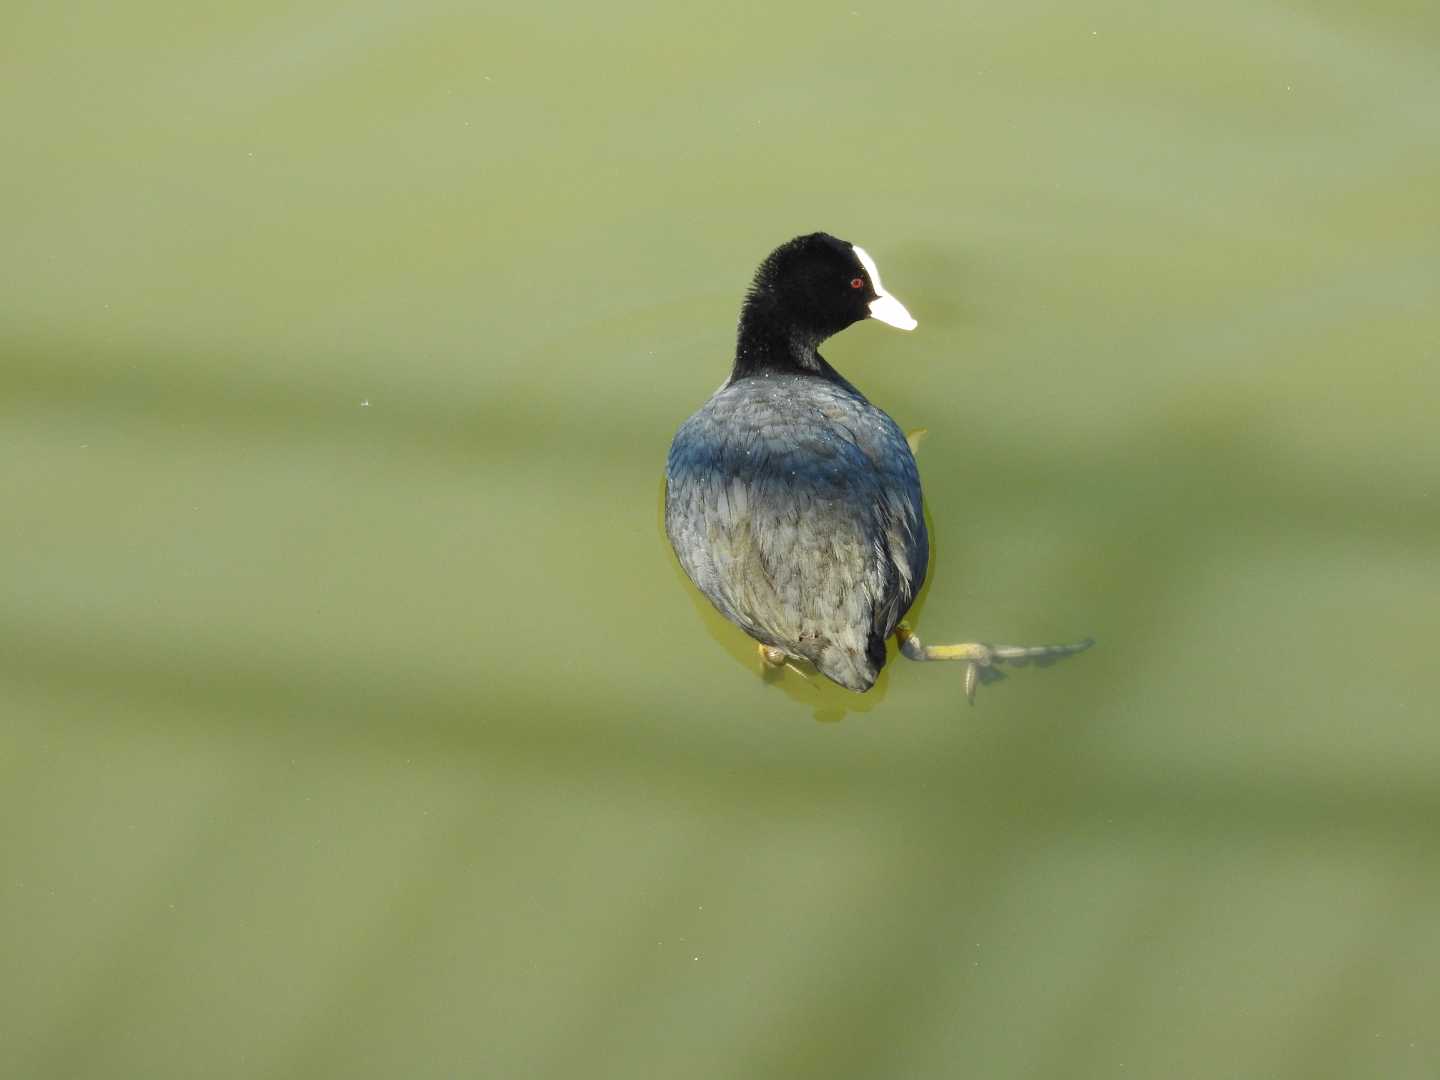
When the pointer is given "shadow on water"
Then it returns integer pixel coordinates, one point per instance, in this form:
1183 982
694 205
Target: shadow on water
1134 522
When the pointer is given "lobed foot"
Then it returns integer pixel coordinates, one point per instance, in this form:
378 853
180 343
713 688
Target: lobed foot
980 659
770 656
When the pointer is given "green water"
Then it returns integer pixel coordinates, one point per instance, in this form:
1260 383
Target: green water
357 721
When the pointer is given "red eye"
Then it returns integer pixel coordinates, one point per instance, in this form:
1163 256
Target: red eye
857 283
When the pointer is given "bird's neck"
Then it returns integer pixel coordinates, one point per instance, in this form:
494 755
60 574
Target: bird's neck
767 344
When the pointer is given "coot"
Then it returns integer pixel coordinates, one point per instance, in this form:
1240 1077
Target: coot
791 501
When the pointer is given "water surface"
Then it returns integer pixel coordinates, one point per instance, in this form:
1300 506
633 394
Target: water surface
358 722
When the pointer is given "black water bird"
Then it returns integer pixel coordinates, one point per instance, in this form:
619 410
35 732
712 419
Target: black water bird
791 501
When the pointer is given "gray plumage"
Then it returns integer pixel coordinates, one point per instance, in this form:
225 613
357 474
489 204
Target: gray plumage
794 505
791 501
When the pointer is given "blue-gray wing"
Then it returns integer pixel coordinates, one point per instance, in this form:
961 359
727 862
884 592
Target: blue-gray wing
796 509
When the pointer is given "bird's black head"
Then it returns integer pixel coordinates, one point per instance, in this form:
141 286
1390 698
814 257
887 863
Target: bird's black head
821 283
805 291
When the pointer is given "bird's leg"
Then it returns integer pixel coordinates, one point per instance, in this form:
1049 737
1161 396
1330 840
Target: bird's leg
773 659
770 656
981 659
913 439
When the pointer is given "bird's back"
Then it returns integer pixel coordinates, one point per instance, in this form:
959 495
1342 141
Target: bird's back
794 505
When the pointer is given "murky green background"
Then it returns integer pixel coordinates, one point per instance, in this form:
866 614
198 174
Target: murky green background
357 722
